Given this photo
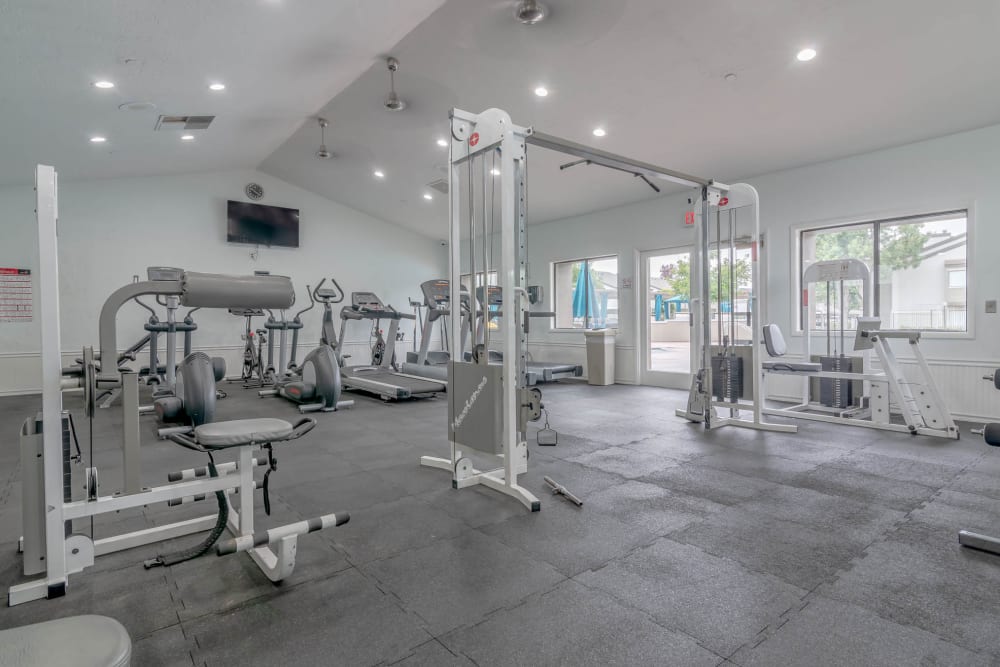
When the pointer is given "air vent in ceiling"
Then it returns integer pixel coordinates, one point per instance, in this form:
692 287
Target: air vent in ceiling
441 185
166 123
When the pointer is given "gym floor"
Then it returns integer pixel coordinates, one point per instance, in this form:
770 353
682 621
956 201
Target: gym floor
834 546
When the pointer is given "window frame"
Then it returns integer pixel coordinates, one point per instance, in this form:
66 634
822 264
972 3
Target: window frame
889 216
552 290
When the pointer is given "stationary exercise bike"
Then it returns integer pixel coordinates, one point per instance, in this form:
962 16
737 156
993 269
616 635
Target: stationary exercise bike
253 374
316 384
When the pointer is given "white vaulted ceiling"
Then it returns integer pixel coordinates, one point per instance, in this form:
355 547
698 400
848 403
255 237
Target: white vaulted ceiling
280 60
651 72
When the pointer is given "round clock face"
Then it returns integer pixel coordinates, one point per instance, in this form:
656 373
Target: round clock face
254 191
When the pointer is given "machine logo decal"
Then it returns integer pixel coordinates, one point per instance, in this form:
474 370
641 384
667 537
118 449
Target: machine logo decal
468 405
474 139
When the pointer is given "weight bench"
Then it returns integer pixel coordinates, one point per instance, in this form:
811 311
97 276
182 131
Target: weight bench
247 435
776 347
81 641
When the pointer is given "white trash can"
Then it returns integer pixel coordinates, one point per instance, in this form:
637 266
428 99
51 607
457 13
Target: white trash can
601 356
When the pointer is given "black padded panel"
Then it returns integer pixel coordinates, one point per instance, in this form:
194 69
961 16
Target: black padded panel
991 434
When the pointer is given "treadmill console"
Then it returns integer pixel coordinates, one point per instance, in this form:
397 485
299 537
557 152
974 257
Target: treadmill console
436 293
366 301
164 273
493 295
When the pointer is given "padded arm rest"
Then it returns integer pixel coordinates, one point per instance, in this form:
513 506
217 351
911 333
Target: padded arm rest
302 427
184 440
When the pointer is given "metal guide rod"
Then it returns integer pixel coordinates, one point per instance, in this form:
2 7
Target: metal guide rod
613 161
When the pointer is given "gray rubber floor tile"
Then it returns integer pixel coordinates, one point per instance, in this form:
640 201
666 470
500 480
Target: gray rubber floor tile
575 625
928 449
139 599
433 654
923 578
669 446
933 474
582 480
974 480
164 648
387 529
864 487
570 538
342 620
751 464
836 634
456 582
719 486
627 462
341 494
954 510
211 583
860 522
476 506
650 507
410 478
713 599
797 553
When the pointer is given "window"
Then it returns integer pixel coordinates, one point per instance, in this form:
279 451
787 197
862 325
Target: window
918 268
585 293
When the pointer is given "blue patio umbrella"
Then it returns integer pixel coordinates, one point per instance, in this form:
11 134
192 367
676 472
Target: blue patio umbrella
584 295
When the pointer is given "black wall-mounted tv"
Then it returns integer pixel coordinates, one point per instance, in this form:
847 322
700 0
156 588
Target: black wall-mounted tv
262 225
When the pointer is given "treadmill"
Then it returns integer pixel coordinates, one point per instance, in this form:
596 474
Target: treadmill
437 300
383 380
491 301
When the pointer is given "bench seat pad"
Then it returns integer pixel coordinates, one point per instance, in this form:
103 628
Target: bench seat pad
242 432
791 367
81 641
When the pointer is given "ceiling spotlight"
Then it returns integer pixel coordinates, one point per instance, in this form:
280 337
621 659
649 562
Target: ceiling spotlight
805 55
379 173
443 143
323 153
97 140
103 84
217 86
392 101
599 132
495 171
542 91
428 196
530 12
187 137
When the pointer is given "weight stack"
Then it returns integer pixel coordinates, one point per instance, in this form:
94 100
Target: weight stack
727 378
836 393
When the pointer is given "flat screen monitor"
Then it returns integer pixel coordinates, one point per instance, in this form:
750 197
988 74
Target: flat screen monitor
257 224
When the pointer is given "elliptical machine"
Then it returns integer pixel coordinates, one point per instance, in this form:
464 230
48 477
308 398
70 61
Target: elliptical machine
316 384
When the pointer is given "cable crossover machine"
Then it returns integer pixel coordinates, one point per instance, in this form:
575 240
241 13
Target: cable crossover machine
490 404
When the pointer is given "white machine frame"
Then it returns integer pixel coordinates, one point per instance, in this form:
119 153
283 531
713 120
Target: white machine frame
702 406
472 136
64 554
918 400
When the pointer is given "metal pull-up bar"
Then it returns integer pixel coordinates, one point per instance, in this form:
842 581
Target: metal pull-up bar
612 161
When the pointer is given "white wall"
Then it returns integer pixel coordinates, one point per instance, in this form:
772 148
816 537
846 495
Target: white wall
957 171
112 230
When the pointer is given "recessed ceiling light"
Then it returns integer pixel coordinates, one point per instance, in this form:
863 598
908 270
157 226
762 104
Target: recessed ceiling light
428 196
97 140
495 171
443 143
541 91
187 137
599 132
103 84
379 173
217 86
805 55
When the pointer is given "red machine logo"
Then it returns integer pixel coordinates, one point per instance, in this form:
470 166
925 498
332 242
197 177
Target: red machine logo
724 201
474 139
688 217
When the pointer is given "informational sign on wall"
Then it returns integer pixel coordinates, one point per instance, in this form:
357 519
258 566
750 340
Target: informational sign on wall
15 295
